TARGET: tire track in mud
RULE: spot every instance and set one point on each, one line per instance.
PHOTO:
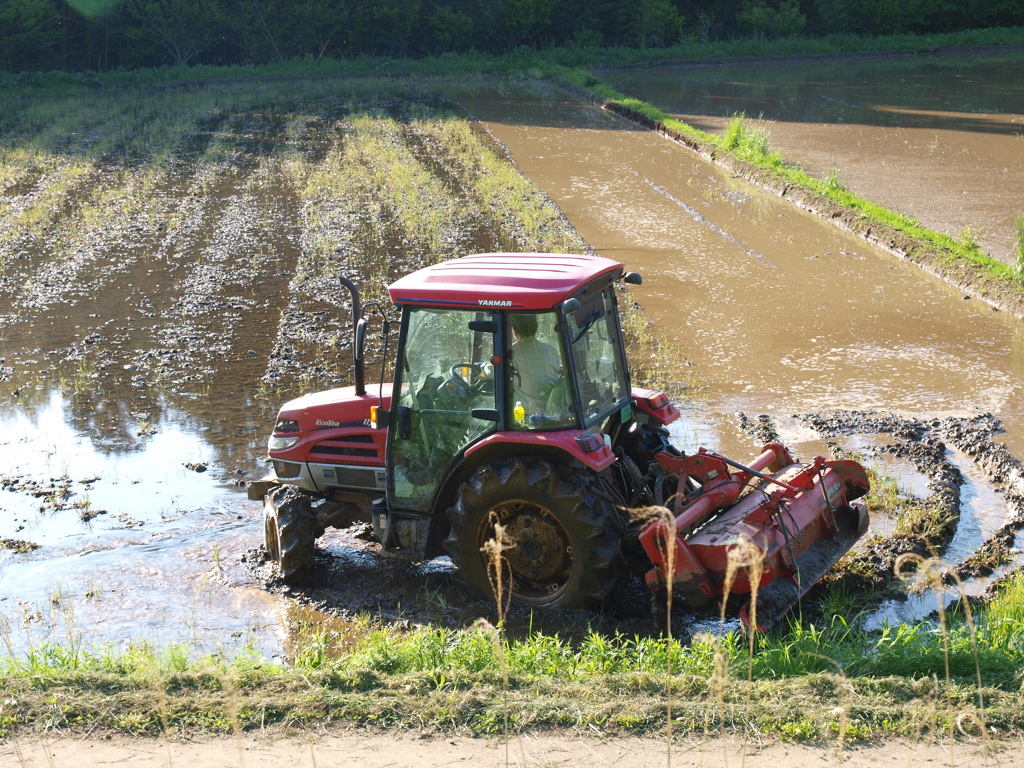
(394, 190)
(325, 229)
(974, 438)
(123, 282)
(481, 233)
(518, 215)
(135, 347)
(352, 228)
(924, 443)
(217, 316)
(376, 205)
(125, 219)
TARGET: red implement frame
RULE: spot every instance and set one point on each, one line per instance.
(781, 525)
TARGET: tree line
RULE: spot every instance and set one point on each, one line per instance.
(100, 35)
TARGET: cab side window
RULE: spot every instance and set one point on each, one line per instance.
(539, 392)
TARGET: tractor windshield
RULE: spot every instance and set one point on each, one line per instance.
(598, 358)
(444, 374)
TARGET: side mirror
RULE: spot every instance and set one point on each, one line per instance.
(486, 326)
(569, 306)
(633, 278)
(360, 337)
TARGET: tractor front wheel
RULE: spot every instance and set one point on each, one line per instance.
(558, 544)
(289, 532)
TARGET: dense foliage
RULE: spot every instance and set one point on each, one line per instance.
(108, 34)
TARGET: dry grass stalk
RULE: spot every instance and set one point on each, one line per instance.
(500, 577)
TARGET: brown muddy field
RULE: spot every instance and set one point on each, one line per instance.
(775, 312)
(939, 137)
(169, 264)
(169, 277)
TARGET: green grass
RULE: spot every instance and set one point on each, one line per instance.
(912, 517)
(1019, 246)
(522, 61)
(799, 682)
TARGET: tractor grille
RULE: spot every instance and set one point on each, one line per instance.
(349, 445)
(348, 476)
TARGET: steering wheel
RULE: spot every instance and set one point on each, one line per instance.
(473, 387)
(457, 385)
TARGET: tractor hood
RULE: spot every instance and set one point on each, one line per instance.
(332, 408)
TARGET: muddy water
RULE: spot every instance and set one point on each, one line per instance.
(777, 311)
(133, 543)
(772, 310)
(147, 369)
(940, 138)
(150, 328)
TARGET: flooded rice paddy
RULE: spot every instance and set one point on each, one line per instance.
(773, 311)
(938, 137)
(169, 270)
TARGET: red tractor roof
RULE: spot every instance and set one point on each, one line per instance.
(502, 280)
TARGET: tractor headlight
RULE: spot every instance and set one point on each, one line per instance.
(281, 443)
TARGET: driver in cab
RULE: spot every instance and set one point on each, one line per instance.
(536, 367)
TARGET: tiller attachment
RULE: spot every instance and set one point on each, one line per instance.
(772, 528)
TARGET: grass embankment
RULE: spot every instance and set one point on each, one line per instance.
(799, 683)
(744, 149)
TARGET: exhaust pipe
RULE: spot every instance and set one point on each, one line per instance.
(358, 334)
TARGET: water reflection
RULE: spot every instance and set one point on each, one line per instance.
(159, 556)
(935, 136)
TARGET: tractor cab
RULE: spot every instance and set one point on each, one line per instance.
(511, 435)
(497, 353)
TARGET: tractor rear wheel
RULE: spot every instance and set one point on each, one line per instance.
(560, 542)
(289, 532)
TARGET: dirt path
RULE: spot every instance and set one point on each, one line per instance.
(376, 750)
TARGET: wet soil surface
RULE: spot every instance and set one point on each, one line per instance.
(158, 311)
(924, 444)
(934, 136)
(775, 312)
(351, 575)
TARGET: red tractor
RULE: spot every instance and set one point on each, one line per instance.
(512, 406)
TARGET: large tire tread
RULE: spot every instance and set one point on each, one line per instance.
(290, 533)
(577, 499)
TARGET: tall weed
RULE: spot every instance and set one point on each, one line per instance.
(1020, 246)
